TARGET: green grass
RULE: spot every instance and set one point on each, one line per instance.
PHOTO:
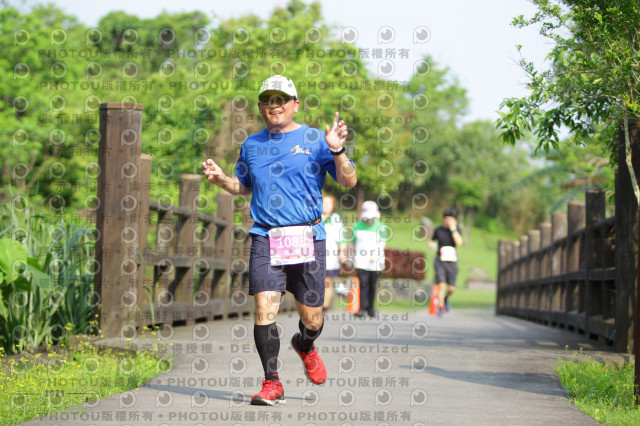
(603, 391)
(464, 298)
(35, 385)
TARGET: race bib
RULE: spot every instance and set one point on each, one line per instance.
(448, 254)
(289, 245)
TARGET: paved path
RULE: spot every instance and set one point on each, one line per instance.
(467, 368)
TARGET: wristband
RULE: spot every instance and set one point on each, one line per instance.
(338, 152)
(453, 229)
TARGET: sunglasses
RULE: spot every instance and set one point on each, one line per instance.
(276, 99)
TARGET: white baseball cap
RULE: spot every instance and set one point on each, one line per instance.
(370, 210)
(278, 84)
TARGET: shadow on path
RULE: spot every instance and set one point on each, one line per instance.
(237, 397)
(543, 384)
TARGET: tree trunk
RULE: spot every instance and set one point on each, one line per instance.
(626, 239)
(467, 227)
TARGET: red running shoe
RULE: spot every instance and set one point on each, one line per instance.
(271, 394)
(313, 366)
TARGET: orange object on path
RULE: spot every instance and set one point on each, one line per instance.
(434, 306)
(353, 302)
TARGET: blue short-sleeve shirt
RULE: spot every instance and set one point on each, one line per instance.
(286, 173)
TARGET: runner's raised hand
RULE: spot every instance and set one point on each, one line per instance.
(336, 136)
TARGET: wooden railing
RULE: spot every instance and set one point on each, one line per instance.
(584, 279)
(564, 273)
(196, 270)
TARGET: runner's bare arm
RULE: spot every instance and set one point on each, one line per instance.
(215, 175)
(457, 238)
(336, 136)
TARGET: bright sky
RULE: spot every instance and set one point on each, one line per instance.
(473, 38)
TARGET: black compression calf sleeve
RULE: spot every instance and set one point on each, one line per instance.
(268, 345)
(308, 337)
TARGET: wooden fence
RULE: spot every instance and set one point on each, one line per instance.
(197, 267)
(563, 274)
(580, 271)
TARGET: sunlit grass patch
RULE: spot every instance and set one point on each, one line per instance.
(602, 390)
(35, 384)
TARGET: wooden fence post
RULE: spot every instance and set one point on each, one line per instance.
(216, 307)
(207, 307)
(575, 221)
(545, 241)
(502, 262)
(186, 243)
(545, 267)
(515, 275)
(116, 246)
(162, 298)
(241, 256)
(525, 292)
(501, 257)
(534, 246)
(509, 262)
(558, 231)
(595, 211)
(534, 271)
(223, 250)
(144, 182)
(524, 252)
(508, 276)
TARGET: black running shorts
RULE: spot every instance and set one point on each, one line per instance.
(446, 272)
(304, 280)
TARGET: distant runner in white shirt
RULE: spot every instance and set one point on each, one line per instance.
(336, 246)
(370, 236)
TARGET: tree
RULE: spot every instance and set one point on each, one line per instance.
(493, 183)
(36, 135)
(198, 83)
(187, 73)
(434, 105)
(593, 80)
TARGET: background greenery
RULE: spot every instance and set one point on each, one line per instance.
(46, 279)
(409, 139)
(198, 78)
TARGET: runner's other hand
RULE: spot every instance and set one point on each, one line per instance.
(213, 172)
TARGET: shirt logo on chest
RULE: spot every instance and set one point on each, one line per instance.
(297, 150)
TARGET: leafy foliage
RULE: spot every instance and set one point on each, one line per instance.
(593, 80)
(46, 282)
(198, 78)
